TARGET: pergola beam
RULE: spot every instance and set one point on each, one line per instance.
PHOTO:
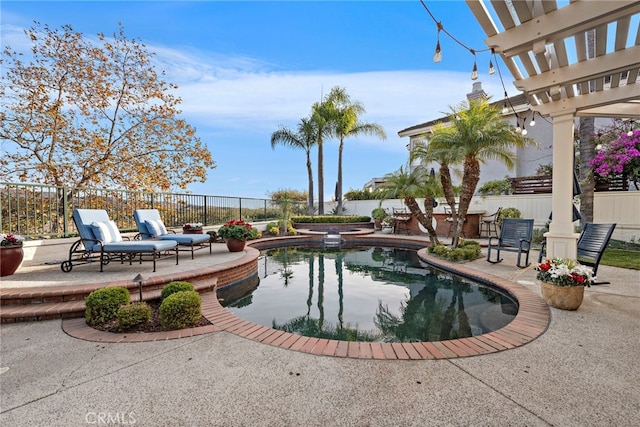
(601, 66)
(620, 94)
(560, 24)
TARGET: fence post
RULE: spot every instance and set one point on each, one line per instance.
(240, 206)
(65, 212)
(204, 221)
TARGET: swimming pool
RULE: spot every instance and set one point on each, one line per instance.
(377, 294)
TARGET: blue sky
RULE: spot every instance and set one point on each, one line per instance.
(245, 68)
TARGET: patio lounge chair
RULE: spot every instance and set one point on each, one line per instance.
(100, 240)
(591, 245)
(515, 236)
(150, 226)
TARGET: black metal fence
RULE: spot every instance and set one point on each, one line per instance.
(44, 211)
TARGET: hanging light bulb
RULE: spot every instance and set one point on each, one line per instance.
(492, 70)
(505, 109)
(437, 57)
(518, 128)
(630, 133)
(532, 123)
(524, 129)
(474, 72)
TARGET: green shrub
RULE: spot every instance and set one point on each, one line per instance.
(496, 187)
(102, 304)
(134, 314)
(468, 250)
(324, 219)
(180, 310)
(378, 213)
(173, 287)
(255, 234)
(273, 229)
(508, 213)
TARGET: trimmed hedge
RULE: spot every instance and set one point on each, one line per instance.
(173, 287)
(180, 310)
(327, 219)
(134, 314)
(102, 304)
(467, 250)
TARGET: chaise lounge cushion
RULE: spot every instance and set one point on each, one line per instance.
(107, 231)
(156, 227)
(151, 226)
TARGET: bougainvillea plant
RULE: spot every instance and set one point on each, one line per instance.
(620, 157)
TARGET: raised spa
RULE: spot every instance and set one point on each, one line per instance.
(379, 294)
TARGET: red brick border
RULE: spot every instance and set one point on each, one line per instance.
(531, 321)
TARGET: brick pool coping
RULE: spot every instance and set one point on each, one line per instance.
(531, 321)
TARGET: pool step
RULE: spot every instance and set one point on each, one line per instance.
(47, 303)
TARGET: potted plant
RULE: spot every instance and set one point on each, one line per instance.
(11, 253)
(563, 281)
(378, 214)
(387, 225)
(235, 234)
(192, 228)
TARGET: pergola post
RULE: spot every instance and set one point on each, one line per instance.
(561, 238)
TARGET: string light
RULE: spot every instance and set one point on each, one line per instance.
(474, 72)
(505, 109)
(532, 123)
(518, 128)
(437, 57)
(524, 129)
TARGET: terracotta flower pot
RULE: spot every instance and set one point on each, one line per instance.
(235, 245)
(10, 259)
(562, 297)
(192, 231)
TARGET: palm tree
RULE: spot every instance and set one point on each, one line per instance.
(304, 138)
(344, 121)
(476, 134)
(320, 116)
(409, 184)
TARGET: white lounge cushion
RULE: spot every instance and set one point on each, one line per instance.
(106, 231)
(156, 227)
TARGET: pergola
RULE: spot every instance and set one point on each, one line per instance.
(546, 49)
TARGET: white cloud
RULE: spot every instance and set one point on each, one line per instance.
(243, 94)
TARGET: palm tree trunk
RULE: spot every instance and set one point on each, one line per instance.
(310, 177)
(339, 183)
(320, 179)
(470, 178)
(447, 187)
(428, 220)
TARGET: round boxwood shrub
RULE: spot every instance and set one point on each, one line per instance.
(173, 287)
(180, 310)
(102, 304)
(134, 314)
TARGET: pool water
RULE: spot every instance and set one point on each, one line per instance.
(368, 294)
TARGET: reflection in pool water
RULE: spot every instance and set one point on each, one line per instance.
(370, 294)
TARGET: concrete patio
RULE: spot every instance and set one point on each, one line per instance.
(584, 370)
